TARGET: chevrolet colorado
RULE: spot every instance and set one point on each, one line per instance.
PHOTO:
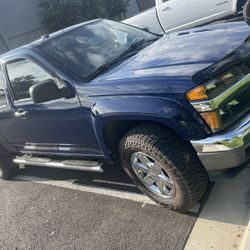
(168, 108)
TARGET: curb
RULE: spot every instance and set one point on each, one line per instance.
(222, 223)
(246, 240)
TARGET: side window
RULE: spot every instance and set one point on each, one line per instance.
(22, 75)
(3, 99)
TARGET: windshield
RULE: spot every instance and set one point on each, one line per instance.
(86, 49)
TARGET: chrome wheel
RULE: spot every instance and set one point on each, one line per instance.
(152, 175)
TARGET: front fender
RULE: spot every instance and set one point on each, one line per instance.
(186, 123)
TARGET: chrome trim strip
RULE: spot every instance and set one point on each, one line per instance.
(212, 104)
(236, 138)
(53, 147)
(57, 164)
(65, 154)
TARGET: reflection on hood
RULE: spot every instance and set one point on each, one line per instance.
(183, 53)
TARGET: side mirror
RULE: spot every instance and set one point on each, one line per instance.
(47, 91)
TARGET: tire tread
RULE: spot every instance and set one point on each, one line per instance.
(177, 154)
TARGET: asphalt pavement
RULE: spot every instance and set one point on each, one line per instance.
(37, 216)
(79, 210)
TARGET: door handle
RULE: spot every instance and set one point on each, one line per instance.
(21, 113)
(167, 9)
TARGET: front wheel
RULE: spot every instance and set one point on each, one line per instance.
(7, 167)
(163, 167)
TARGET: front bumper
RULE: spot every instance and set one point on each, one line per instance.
(227, 150)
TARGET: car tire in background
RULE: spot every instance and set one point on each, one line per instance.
(163, 166)
(240, 5)
(246, 12)
(7, 167)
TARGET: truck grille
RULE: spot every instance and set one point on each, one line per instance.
(248, 64)
(237, 106)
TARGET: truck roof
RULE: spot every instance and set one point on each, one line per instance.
(45, 38)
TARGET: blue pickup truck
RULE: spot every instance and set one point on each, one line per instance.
(168, 108)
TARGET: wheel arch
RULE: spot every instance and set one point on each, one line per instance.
(114, 117)
(114, 131)
(111, 132)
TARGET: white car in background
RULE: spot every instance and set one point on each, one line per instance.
(173, 15)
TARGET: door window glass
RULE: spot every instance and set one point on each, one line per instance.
(22, 75)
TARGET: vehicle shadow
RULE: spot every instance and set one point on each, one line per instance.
(227, 200)
(113, 178)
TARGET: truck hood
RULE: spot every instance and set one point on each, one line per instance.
(183, 53)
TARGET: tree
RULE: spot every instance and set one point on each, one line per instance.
(21, 86)
(58, 14)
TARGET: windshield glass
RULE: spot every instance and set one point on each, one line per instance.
(84, 50)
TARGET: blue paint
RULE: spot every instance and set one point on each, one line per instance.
(150, 86)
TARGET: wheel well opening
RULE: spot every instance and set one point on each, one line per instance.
(113, 132)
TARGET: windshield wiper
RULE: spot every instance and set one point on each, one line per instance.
(132, 47)
(117, 59)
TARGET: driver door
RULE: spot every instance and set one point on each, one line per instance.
(59, 126)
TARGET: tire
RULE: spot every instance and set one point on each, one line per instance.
(7, 168)
(169, 155)
(240, 5)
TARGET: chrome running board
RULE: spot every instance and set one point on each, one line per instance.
(91, 166)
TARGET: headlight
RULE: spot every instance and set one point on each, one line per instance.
(216, 86)
(222, 99)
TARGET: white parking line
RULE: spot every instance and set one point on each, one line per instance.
(101, 191)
